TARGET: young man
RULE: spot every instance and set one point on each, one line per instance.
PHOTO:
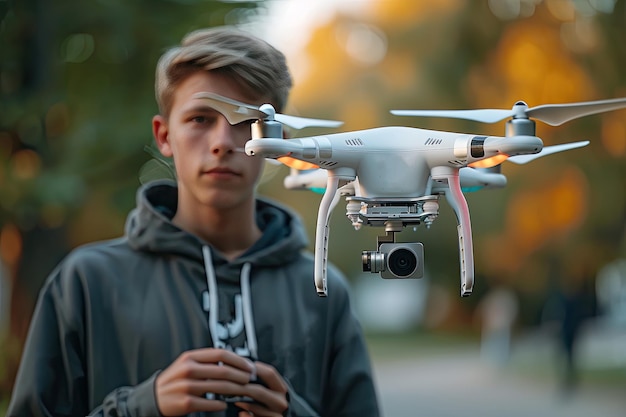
(206, 306)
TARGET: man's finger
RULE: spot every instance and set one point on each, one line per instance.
(211, 355)
(258, 410)
(199, 388)
(270, 376)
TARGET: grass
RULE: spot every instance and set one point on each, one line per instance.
(418, 343)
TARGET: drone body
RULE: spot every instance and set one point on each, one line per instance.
(397, 169)
(392, 176)
(393, 161)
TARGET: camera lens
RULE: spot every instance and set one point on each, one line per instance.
(402, 262)
(373, 261)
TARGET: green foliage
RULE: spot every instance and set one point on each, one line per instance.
(77, 89)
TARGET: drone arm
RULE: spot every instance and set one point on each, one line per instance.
(459, 204)
(329, 200)
(274, 148)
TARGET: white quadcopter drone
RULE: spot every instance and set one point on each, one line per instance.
(392, 176)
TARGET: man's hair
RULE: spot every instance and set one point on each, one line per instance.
(250, 61)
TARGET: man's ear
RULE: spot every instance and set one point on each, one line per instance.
(160, 131)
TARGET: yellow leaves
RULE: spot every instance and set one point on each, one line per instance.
(538, 216)
(10, 244)
(614, 134)
(568, 201)
(404, 13)
(25, 164)
(561, 10)
(540, 213)
(532, 64)
(328, 74)
(359, 112)
(339, 52)
(401, 72)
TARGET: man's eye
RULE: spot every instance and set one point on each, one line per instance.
(202, 119)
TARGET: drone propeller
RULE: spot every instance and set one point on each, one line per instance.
(547, 150)
(523, 159)
(552, 114)
(236, 112)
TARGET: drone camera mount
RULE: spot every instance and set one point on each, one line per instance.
(395, 260)
(391, 212)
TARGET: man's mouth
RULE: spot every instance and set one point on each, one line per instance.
(220, 171)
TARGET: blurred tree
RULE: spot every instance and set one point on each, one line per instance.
(77, 97)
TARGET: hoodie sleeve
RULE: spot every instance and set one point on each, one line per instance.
(347, 386)
(351, 390)
(52, 379)
(130, 401)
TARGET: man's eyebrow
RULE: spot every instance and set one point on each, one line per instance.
(202, 107)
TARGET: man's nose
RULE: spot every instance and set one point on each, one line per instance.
(223, 139)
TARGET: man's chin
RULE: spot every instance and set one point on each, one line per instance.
(225, 200)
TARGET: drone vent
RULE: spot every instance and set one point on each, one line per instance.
(458, 162)
(354, 142)
(433, 141)
(327, 164)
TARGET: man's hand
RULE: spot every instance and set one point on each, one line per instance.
(181, 387)
(271, 399)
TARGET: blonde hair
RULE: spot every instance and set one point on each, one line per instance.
(250, 61)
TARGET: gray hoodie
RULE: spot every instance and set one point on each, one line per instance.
(114, 313)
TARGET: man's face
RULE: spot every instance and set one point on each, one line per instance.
(208, 152)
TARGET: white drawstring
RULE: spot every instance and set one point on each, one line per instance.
(213, 301)
(248, 317)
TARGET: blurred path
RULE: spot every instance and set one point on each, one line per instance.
(450, 384)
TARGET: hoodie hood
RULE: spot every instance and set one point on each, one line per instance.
(149, 228)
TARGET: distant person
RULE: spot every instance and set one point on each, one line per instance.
(206, 306)
(611, 293)
(569, 306)
(498, 311)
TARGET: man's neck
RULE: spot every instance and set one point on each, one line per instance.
(232, 231)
